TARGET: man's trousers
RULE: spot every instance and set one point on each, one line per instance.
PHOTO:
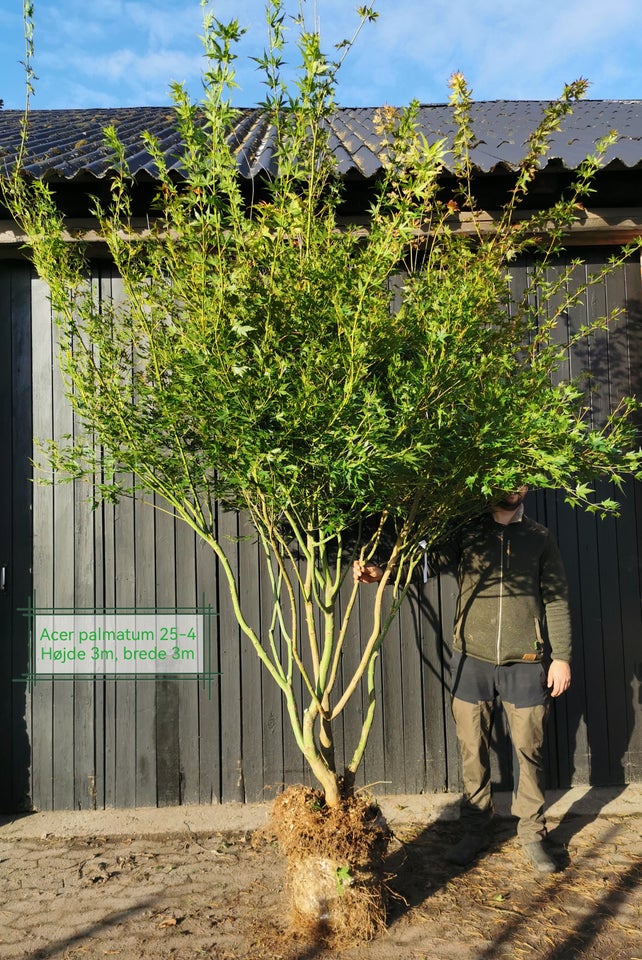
(521, 687)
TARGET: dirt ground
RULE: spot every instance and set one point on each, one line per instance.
(215, 894)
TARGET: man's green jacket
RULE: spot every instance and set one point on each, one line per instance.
(512, 590)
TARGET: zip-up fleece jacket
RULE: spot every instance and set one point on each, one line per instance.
(510, 578)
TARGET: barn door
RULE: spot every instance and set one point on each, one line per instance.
(15, 528)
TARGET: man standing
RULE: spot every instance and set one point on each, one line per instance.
(510, 578)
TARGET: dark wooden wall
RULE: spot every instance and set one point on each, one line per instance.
(85, 743)
(15, 528)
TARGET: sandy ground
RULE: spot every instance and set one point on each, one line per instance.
(185, 883)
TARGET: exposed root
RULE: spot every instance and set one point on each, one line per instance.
(334, 856)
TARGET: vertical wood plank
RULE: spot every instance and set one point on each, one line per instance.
(435, 687)
(120, 698)
(572, 753)
(103, 575)
(168, 765)
(139, 710)
(6, 533)
(630, 539)
(355, 709)
(613, 652)
(109, 760)
(567, 734)
(189, 689)
(43, 544)
(290, 761)
(84, 759)
(634, 662)
(374, 764)
(598, 345)
(63, 571)
(626, 688)
(230, 665)
(413, 725)
(391, 705)
(448, 592)
(20, 502)
(107, 773)
(124, 721)
(100, 686)
(15, 528)
(210, 689)
(256, 593)
(272, 721)
(592, 638)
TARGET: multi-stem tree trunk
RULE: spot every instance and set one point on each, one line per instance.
(308, 628)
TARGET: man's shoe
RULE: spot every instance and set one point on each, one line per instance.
(539, 857)
(467, 849)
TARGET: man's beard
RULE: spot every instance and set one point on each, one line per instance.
(511, 504)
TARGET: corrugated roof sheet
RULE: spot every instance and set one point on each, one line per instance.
(67, 144)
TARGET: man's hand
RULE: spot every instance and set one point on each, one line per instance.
(366, 572)
(559, 677)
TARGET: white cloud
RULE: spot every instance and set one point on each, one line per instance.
(503, 51)
(82, 48)
(122, 77)
(166, 26)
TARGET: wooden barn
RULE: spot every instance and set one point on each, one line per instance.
(106, 742)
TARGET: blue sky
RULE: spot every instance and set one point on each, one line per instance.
(126, 52)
